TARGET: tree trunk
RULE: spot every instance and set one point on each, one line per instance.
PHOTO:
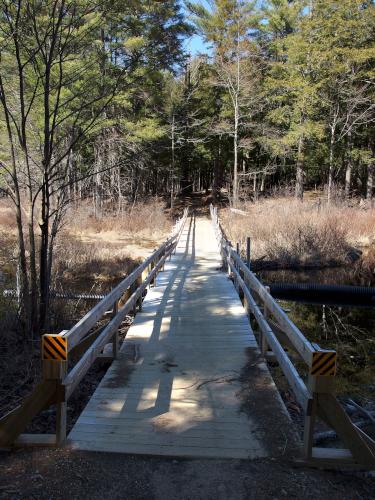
(173, 159)
(349, 168)
(330, 167)
(370, 175)
(235, 163)
(300, 171)
(44, 278)
(262, 183)
(370, 181)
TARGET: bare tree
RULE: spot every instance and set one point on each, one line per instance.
(48, 53)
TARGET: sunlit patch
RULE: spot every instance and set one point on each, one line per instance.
(150, 393)
(181, 421)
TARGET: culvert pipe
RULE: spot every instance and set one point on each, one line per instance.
(313, 293)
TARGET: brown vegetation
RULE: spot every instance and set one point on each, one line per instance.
(98, 251)
(91, 251)
(293, 233)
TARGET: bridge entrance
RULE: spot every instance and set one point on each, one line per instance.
(188, 380)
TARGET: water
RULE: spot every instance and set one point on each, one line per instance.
(328, 276)
(348, 330)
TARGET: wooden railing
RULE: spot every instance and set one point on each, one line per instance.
(58, 383)
(280, 339)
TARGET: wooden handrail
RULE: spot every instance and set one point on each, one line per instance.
(58, 385)
(80, 369)
(304, 348)
(301, 344)
(75, 334)
(80, 329)
(316, 397)
(300, 390)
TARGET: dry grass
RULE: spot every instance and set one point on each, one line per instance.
(142, 221)
(92, 252)
(96, 252)
(295, 233)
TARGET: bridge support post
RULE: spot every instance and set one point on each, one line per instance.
(153, 281)
(248, 251)
(115, 335)
(238, 270)
(263, 341)
(56, 371)
(360, 448)
(228, 257)
(308, 430)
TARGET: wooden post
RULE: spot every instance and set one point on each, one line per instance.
(56, 370)
(308, 430)
(115, 335)
(316, 385)
(248, 251)
(153, 281)
(163, 254)
(236, 284)
(61, 415)
(264, 344)
(229, 257)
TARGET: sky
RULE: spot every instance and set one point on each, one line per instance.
(195, 44)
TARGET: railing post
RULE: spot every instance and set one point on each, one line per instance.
(229, 257)
(115, 335)
(55, 369)
(153, 281)
(309, 424)
(317, 385)
(263, 341)
(248, 251)
(236, 284)
(163, 254)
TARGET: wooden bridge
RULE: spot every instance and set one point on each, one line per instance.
(190, 379)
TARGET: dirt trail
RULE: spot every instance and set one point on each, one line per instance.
(63, 474)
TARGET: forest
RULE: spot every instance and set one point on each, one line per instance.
(101, 102)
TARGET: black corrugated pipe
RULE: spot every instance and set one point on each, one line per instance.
(312, 293)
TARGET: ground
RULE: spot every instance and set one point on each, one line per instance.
(61, 474)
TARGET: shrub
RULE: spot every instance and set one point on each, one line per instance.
(291, 232)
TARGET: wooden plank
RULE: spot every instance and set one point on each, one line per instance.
(35, 440)
(161, 439)
(13, 425)
(210, 432)
(145, 426)
(331, 458)
(158, 450)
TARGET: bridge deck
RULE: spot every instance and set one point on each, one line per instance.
(178, 387)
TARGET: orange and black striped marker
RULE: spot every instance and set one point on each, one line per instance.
(324, 363)
(54, 347)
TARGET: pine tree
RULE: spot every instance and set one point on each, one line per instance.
(228, 25)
